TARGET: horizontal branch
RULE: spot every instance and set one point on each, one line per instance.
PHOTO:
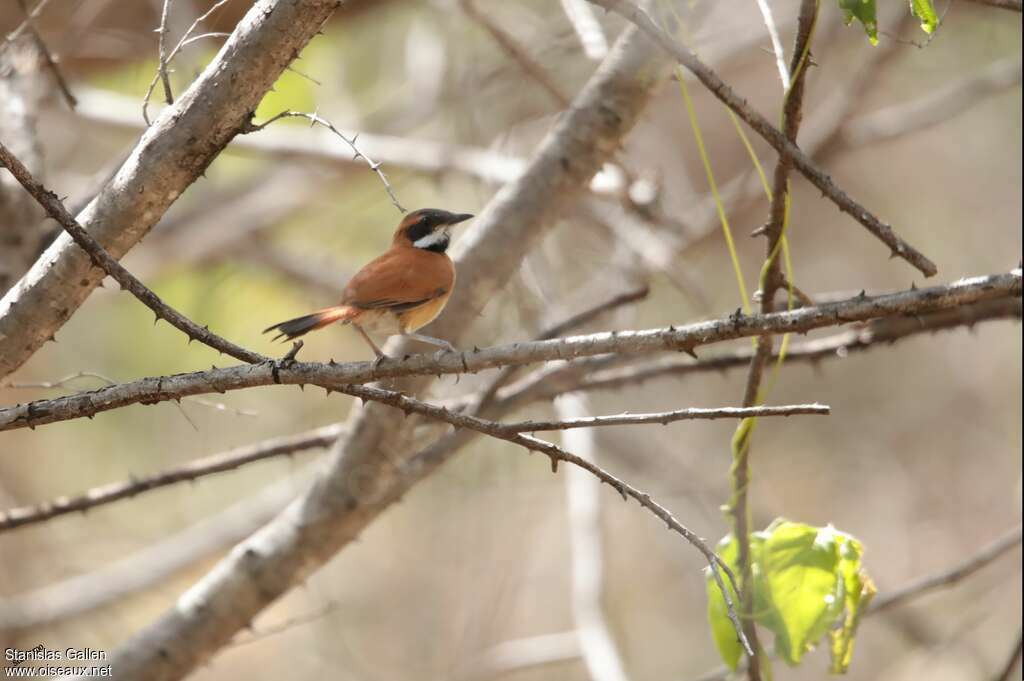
(331, 376)
(99, 256)
(882, 332)
(666, 417)
(771, 134)
(217, 463)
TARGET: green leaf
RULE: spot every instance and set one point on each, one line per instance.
(925, 11)
(863, 11)
(799, 564)
(808, 582)
(722, 629)
(858, 590)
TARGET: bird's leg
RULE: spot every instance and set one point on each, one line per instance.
(432, 341)
(377, 351)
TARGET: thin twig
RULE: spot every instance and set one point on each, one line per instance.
(214, 34)
(162, 56)
(317, 119)
(772, 135)
(949, 576)
(199, 468)
(908, 303)
(666, 417)
(773, 34)
(165, 60)
(48, 58)
(99, 256)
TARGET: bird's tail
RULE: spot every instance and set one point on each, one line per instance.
(293, 328)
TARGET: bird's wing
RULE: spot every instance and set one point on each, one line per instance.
(400, 280)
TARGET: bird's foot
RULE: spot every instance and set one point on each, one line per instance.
(286, 361)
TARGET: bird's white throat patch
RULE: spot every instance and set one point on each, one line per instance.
(434, 239)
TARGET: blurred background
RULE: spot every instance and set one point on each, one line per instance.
(474, 575)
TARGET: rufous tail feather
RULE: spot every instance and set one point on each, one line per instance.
(293, 328)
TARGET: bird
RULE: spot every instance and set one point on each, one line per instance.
(400, 291)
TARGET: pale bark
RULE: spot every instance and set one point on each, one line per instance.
(21, 232)
(170, 156)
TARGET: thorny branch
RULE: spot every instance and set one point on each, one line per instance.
(684, 338)
(557, 454)
(666, 417)
(101, 259)
(771, 134)
(837, 346)
(317, 119)
(771, 280)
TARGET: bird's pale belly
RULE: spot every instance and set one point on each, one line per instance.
(380, 322)
(417, 318)
(388, 323)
